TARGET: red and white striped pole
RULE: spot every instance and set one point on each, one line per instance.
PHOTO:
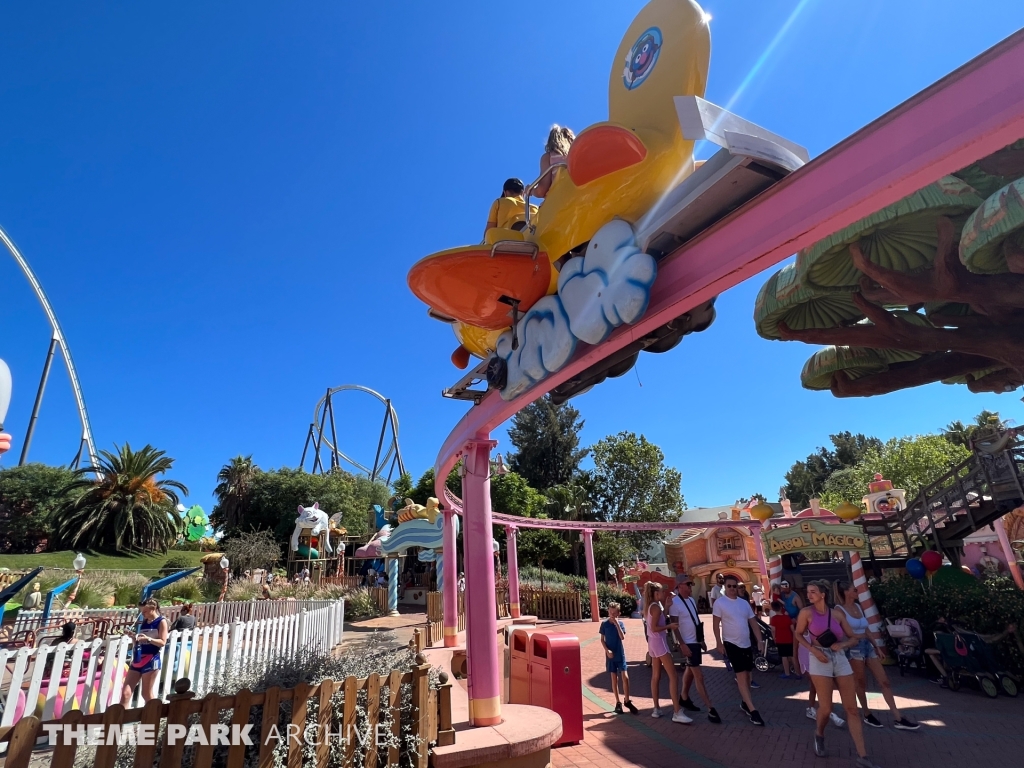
(867, 602)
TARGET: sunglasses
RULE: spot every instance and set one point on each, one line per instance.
(686, 583)
(732, 586)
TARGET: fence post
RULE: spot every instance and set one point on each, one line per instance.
(445, 732)
(302, 629)
(420, 694)
(177, 714)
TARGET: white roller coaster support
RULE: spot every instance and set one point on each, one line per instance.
(58, 334)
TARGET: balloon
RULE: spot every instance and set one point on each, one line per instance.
(931, 560)
(916, 568)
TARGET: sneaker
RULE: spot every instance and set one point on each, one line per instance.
(906, 725)
(688, 705)
(713, 715)
(618, 708)
(680, 717)
(870, 719)
(744, 707)
(819, 746)
(754, 685)
(631, 707)
(812, 713)
(866, 762)
(784, 676)
(941, 682)
(755, 718)
(655, 713)
(837, 721)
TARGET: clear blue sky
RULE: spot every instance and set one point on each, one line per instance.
(222, 202)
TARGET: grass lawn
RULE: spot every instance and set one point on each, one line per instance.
(141, 563)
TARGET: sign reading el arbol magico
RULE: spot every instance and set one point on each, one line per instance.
(815, 535)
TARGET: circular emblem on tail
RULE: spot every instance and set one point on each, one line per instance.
(642, 58)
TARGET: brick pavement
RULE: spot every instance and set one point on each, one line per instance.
(959, 730)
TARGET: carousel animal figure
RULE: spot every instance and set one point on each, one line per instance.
(312, 521)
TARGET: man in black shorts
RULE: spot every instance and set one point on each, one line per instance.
(734, 621)
(690, 632)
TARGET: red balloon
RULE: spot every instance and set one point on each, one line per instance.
(931, 560)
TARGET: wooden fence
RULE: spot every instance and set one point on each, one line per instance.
(35, 680)
(550, 604)
(435, 616)
(429, 721)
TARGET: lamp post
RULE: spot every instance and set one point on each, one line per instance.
(224, 565)
(79, 565)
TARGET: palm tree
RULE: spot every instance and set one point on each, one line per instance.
(122, 506)
(571, 502)
(232, 491)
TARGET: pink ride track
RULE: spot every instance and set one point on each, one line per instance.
(971, 113)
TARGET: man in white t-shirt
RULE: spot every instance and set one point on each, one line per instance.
(716, 591)
(734, 622)
(690, 632)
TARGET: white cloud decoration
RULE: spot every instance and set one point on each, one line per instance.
(545, 345)
(609, 286)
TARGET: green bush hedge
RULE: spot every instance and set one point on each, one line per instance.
(607, 593)
(987, 607)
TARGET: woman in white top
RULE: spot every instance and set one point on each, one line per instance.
(864, 656)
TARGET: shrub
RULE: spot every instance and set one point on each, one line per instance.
(609, 593)
(188, 590)
(241, 590)
(983, 606)
(175, 564)
(359, 604)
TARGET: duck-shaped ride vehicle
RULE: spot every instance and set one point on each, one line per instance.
(617, 169)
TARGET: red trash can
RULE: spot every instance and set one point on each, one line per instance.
(556, 680)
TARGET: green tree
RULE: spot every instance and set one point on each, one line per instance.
(425, 486)
(612, 549)
(632, 484)
(571, 501)
(547, 441)
(120, 505)
(806, 479)
(403, 487)
(232, 491)
(275, 497)
(28, 496)
(511, 494)
(909, 462)
(961, 434)
(540, 545)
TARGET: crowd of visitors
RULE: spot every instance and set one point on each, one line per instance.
(826, 640)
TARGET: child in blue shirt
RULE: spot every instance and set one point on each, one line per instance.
(612, 633)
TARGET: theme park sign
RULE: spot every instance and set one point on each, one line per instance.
(815, 535)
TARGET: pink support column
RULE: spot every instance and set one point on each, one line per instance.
(450, 581)
(1008, 553)
(588, 546)
(513, 571)
(481, 618)
(867, 602)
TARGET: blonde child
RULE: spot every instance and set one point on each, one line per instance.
(613, 632)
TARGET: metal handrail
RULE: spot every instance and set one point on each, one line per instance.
(528, 192)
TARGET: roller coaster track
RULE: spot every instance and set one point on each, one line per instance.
(970, 113)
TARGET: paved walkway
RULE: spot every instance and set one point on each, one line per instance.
(958, 729)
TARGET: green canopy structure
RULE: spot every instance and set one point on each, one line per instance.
(928, 289)
(901, 237)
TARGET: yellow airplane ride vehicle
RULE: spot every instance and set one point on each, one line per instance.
(615, 169)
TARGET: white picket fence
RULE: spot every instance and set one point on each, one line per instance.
(205, 613)
(200, 654)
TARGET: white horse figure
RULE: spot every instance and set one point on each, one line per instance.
(314, 520)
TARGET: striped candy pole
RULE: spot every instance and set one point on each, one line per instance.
(774, 571)
(392, 585)
(867, 602)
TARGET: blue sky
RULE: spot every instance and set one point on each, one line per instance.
(222, 203)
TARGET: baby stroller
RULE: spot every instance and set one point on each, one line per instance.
(767, 652)
(908, 643)
(965, 654)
